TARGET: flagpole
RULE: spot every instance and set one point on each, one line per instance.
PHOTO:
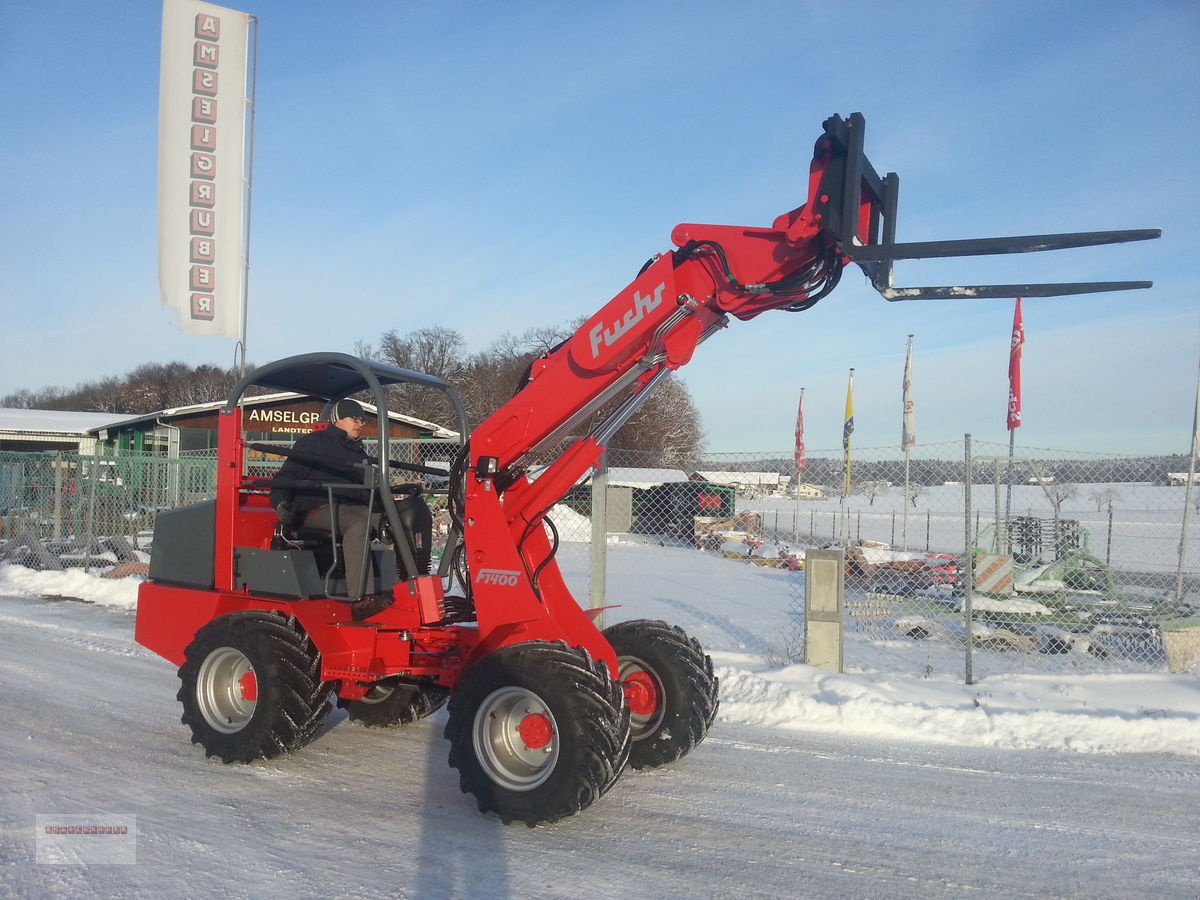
(1016, 342)
(1187, 495)
(1012, 441)
(799, 461)
(847, 430)
(907, 437)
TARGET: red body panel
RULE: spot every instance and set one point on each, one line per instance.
(391, 643)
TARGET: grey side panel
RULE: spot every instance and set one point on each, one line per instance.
(279, 573)
(184, 542)
(385, 569)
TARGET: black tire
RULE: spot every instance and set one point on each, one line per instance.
(251, 687)
(538, 731)
(669, 686)
(395, 703)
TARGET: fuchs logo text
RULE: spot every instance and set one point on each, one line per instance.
(501, 577)
(641, 306)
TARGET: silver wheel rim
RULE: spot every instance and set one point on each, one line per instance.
(377, 693)
(219, 691)
(642, 726)
(501, 749)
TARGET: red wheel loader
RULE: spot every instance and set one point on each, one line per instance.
(545, 709)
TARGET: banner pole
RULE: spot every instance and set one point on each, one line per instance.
(248, 192)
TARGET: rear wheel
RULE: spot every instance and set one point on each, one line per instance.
(251, 687)
(393, 703)
(537, 731)
(670, 688)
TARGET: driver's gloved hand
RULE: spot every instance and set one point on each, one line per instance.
(288, 515)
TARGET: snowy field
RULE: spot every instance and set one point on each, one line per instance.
(1143, 537)
(811, 783)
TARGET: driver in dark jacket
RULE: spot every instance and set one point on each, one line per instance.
(341, 446)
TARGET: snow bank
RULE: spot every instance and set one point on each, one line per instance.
(1086, 713)
(75, 584)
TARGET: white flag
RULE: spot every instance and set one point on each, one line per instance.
(908, 432)
(201, 162)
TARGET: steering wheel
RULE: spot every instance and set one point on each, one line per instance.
(407, 490)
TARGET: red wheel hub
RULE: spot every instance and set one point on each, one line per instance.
(640, 693)
(249, 686)
(535, 730)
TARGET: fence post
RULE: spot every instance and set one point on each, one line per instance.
(90, 530)
(969, 567)
(56, 532)
(1187, 494)
(599, 536)
(1108, 543)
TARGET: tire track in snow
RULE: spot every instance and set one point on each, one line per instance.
(97, 643)
(747, 639)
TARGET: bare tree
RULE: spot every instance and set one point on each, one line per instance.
(914, 491)
(667, 425)
(872, 489)
(148, 388)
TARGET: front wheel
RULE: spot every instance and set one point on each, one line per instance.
(670, 688)
(537, 731)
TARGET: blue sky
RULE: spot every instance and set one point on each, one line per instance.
(496, 166)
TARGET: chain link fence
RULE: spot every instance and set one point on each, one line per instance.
(70, 509)
(1078, 560)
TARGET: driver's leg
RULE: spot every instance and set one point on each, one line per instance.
(354, 528)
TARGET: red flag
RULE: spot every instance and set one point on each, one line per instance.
(1014, 370)
(801, 458)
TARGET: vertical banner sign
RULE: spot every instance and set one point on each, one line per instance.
(201, 165)
(801, 458)
(847, 430)
(908, 430)
(1014, 369)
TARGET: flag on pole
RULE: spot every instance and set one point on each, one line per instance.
(801, 457)
(1014, 369)
(201, 164)
(908, 430)
(847, 430)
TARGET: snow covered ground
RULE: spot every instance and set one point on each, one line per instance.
(1142, 536)
(811, 783)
